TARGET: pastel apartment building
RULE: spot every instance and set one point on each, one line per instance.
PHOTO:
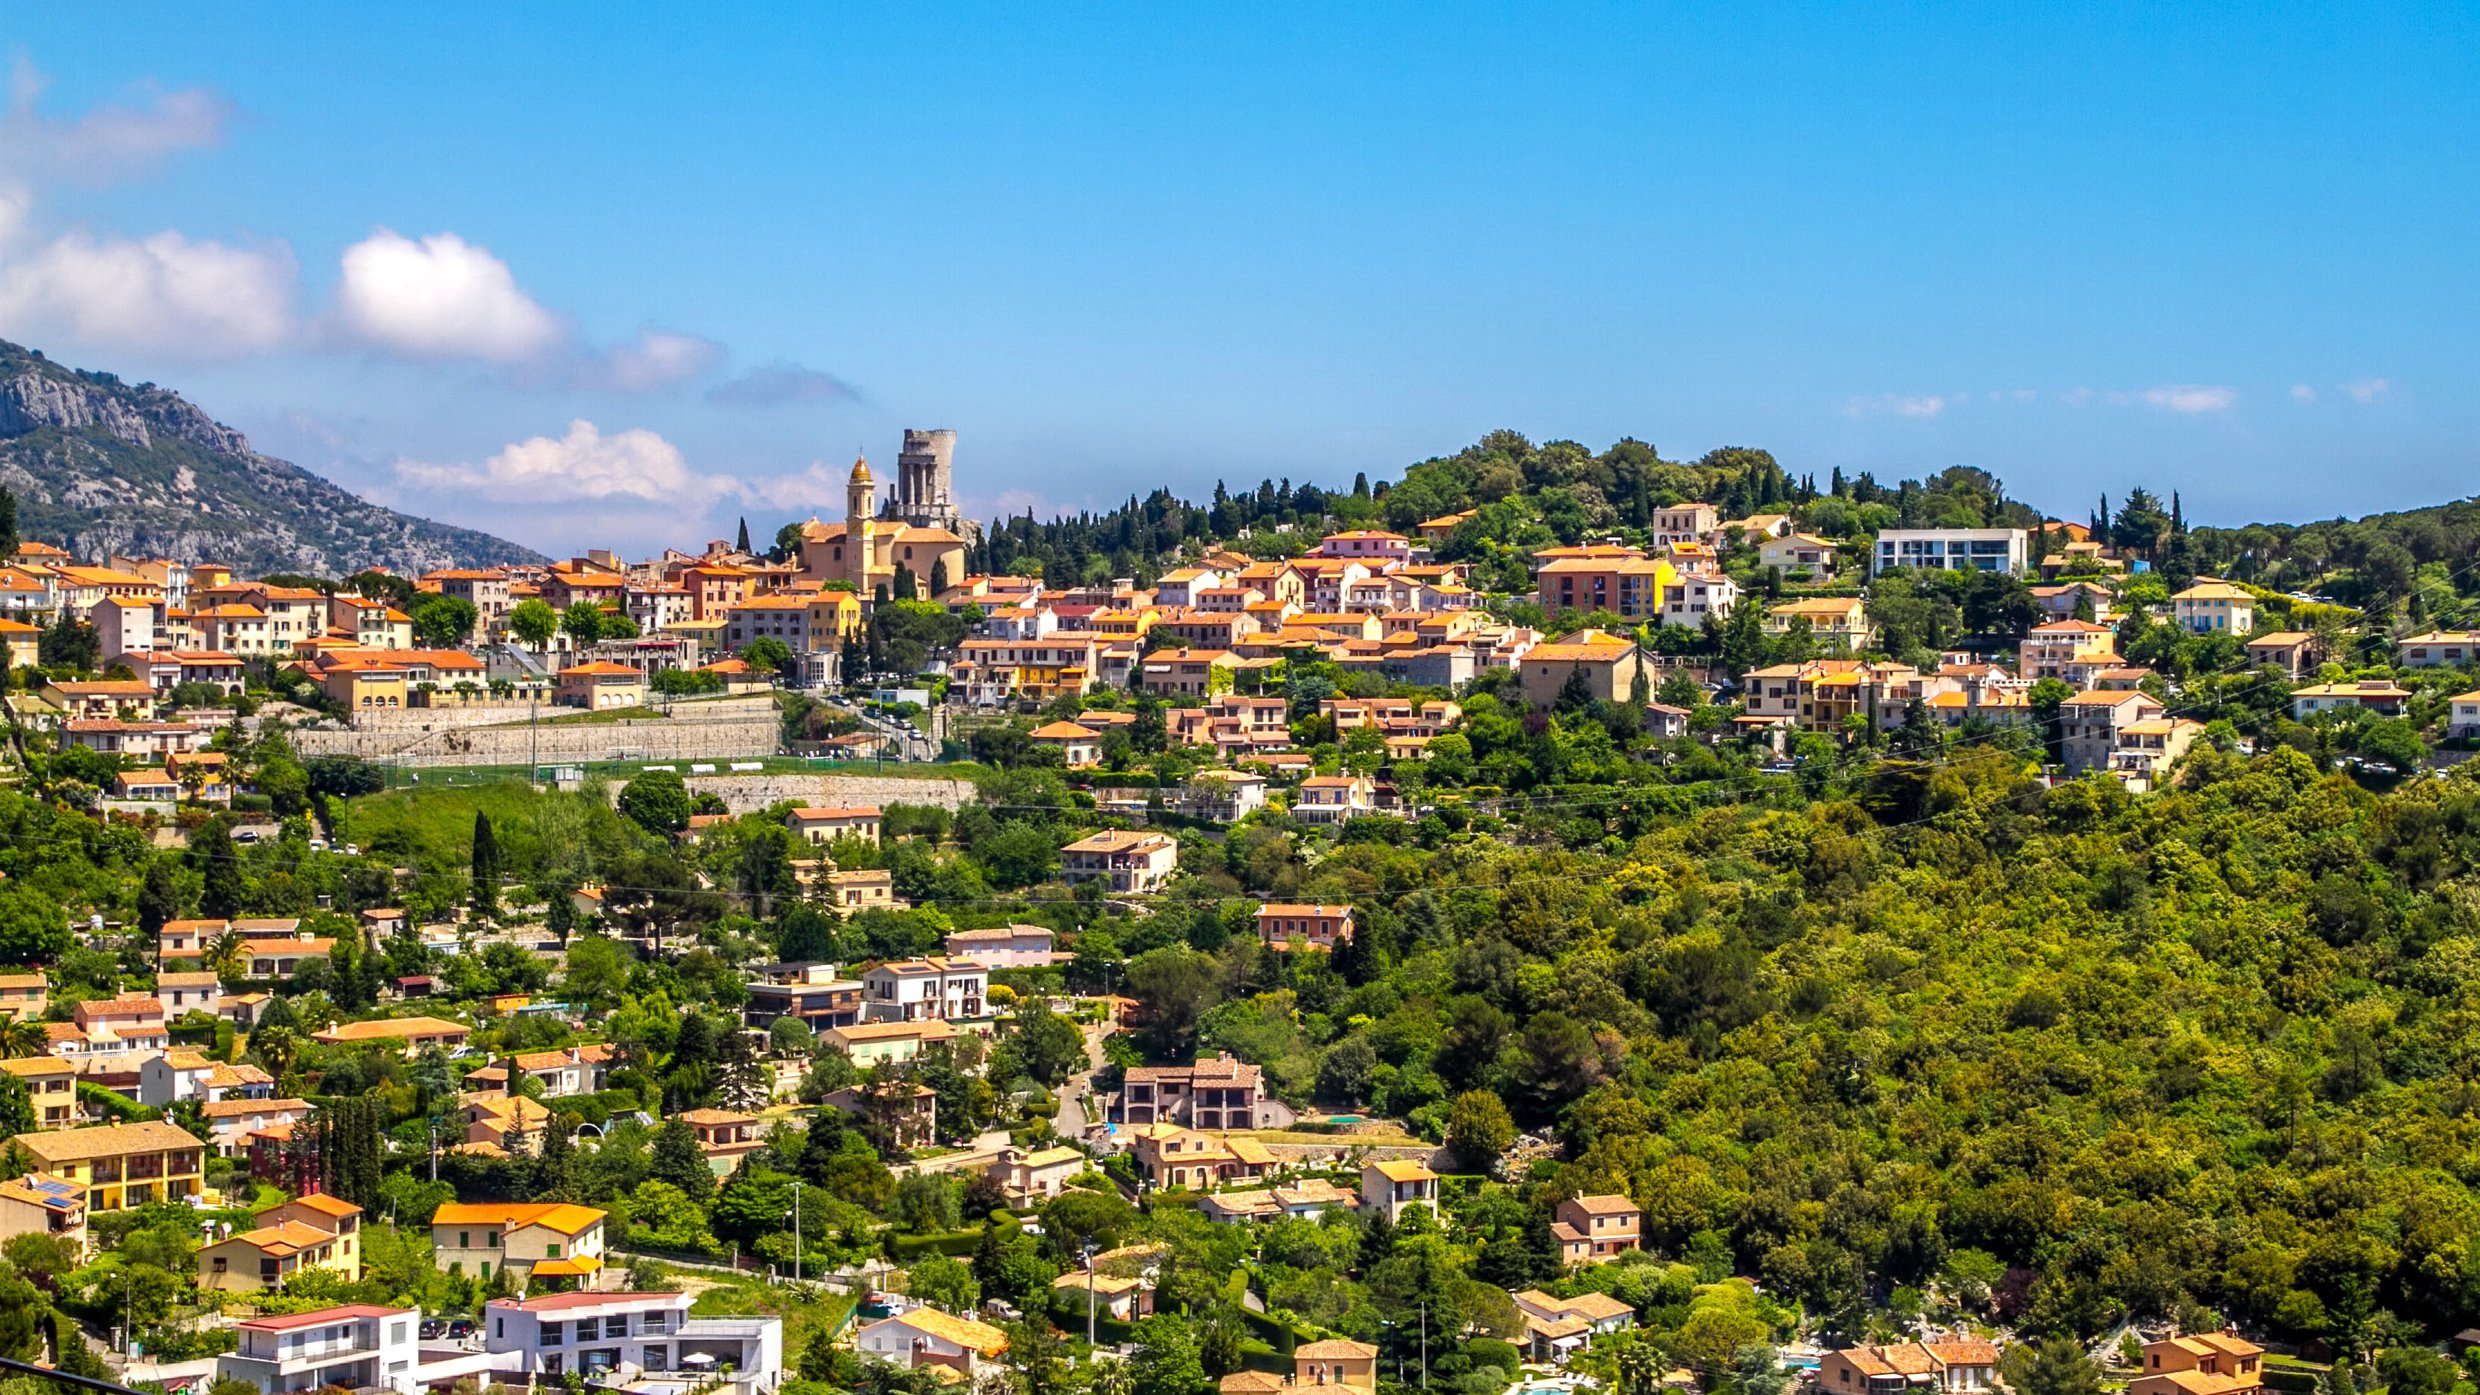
(1123, 862)
(2051, 650)
(123, 1165)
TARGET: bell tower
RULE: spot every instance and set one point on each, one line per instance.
(859, 505)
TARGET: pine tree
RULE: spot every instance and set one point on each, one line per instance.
(226, 891)
(486, 868)
(555, 1167)
(676, 1160)
(159, 897)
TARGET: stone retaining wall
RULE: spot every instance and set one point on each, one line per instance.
(745, 793)
(741, 732)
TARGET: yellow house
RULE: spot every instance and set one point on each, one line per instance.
(315, 1232)
(18, 642)
(51, 1088)
(123, 1165)
(365, 687)
(550, 1241)
(1840, 620)
(2212, 607)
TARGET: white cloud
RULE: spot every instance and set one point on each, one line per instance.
(107, 142)
(584, 464)
(658, 359)
(2366, 390)
(440, 298)
(2301, 392)
(1917, 405)
(2188, 398)
(163, 293)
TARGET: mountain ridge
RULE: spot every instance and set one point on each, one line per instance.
(106, 467)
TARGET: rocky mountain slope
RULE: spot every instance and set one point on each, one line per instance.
(100, 466)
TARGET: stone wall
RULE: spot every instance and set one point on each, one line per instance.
(718, 731)
(745, 793)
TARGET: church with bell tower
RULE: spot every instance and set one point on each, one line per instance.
(866, 551)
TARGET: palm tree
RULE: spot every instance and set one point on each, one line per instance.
(277, 1048)
(20, 1038)
(227, 955)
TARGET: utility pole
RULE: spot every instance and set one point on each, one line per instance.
(1089, 1298)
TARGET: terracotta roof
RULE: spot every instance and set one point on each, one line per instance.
(324, 1317)
(566, 1219)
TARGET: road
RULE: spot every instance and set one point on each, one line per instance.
(1072, 1121)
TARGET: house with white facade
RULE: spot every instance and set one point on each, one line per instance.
(614, 1337)
(937, 989)
(359, 1346)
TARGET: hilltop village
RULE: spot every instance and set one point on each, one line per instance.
(1557, 922)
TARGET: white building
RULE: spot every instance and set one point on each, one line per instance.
(927, 1337)
(1953, 549)
(937, 989)
(359, 1346)
(1124, 861)
(1697, 595)
(623, 1337)
(1396, 1185)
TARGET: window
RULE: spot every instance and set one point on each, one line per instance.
(617, 1325)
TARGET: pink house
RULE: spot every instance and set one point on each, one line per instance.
(1004, 946)
(1367, 545)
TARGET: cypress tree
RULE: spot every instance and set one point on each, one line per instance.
(8, 523)
(486, 868)
(743, 544)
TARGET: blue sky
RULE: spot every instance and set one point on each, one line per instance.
(616, 276)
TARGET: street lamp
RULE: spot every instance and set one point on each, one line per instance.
(794, 1216)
